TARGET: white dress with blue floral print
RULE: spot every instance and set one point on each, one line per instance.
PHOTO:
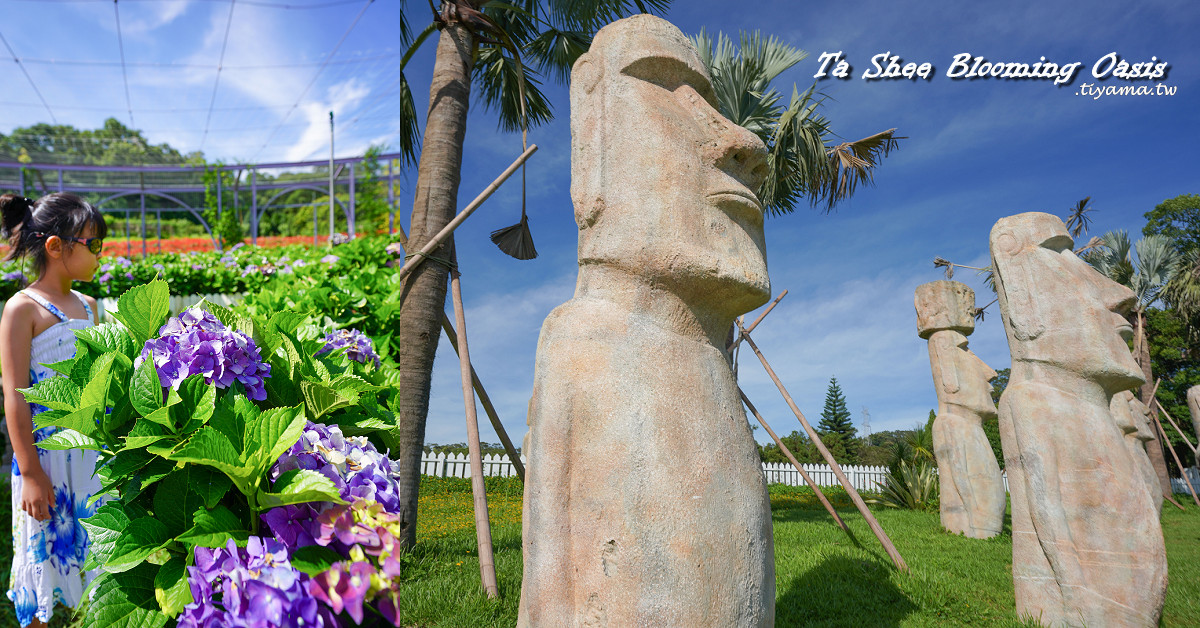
(48, 556)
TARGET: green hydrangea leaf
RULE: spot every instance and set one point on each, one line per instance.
(212, 528)
(313, 559)
(140, 538)
(107, 337)
(299, 486)
(68, 439)
(171, 588)
(144, 309)
(125, 600)
(56, 393)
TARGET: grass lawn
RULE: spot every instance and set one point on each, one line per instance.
(823, 577)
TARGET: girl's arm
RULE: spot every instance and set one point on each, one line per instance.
(16, 336)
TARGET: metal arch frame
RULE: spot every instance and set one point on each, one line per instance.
(173, 199)
(262, 209)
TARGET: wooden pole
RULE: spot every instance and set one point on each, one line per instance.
(483, 530)
(436, 241)
(786, 452)
(1174, 425)
(484, 400)
(837, 469)
(1167, 445)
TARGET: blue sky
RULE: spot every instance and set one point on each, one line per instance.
(977, 150)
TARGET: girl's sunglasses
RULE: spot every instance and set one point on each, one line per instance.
(95, 245)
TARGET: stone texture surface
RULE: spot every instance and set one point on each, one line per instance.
(1133, 417)
(972, 488)
(944, 305)
(1193, 401)
(645, 503)
(1087, 546)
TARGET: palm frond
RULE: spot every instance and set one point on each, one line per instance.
(499, 77)
(555, 51)
(853, 163)
(1182, 292)
(1078, 220)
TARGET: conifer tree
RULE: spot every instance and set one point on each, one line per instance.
(836, 427)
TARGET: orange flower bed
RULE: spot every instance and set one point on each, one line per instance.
(133, 248)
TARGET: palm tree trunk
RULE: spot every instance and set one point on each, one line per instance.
(1154, 448)
(424, 294)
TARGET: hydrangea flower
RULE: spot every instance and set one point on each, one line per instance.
(105, 278)
(15, 275)
(338, 238)
(359, 471)
(129, 276)
(373, 569)
(358, 345)
(330, 259)
(255, 587)
(123, 261)
(395, 249)
(197, 343)
(157, 266)
(300, 263)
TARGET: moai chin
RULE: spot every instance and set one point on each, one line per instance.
(645, 503)
(1133, 417)
(972, 487)
(1087, 546)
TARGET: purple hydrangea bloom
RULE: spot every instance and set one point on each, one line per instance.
(300, 263)
(15, 275)
(358, 345)
(395, 249)
(359, 471)
(124, 262)
(344, 586)
(197, 343)
(330, 259)
(129, 276)
(157, 266)
(197, 266)
(254, 587)
(105, 278)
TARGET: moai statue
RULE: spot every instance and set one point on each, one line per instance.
(645, 503)
(972, 487)
(1133, 417)
(1193, 402)
(1087, 546)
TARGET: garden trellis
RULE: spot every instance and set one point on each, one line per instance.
(182, 189)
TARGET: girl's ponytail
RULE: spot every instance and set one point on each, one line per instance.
(15, 211)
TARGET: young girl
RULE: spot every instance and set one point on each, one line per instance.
(62, 236)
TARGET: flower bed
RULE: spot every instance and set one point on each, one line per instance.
(243, 487)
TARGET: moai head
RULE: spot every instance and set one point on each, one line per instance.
(945, 314)
(664, 186)
(1121, 408)
(944, 305)
(1058, 310)
(1141, 418)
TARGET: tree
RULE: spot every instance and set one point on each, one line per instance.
(1078, 220)
(803, 158)
(482, 44)
(1147, 276)
(836, 427)
(1178, 219)
(1173, 354)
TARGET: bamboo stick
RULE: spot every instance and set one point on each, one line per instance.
(437, 240)
(483, 530)
(1182, 470)
(484, 400)
(837, 469)
(786, 452)
(738, 340)
(1174, 425)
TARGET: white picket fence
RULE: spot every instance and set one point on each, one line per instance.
(1178, 485)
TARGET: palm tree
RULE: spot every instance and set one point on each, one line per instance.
(1183, 292)
(804, 159)
(488, 45)
(1148, 275)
